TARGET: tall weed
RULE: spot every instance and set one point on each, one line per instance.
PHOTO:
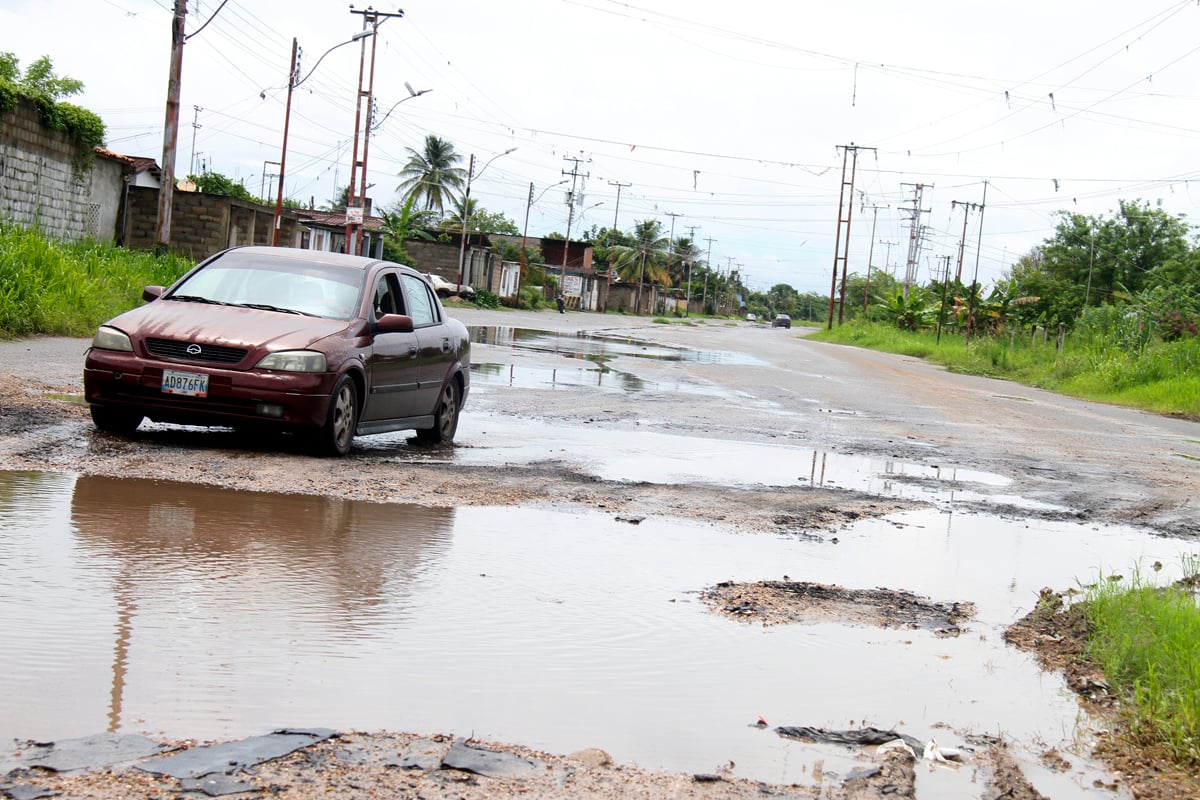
(67, 289)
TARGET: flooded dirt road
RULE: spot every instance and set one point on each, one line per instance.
(549, 580)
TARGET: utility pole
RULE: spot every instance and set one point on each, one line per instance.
(707, 263)
(574, 173)
(616, 210)
(945, 286)
(355, 218)
(687, 308)
(671, 241)
(287, 118)
(195, 127)
(962, 242)
(914, 233)
(842, 240)
(975, 280)
(170, 130)
(870, 254)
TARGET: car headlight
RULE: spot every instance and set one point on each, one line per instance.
(294, 361)
(109, 338)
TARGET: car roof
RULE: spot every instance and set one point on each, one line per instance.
(309, 256)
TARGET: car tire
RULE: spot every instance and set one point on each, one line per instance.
(337, 434)
(116, 420)
(445, 417)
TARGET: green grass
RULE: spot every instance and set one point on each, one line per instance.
(67, 289)
(1146, 639)
(1164, 377)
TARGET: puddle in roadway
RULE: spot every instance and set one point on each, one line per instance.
(186, 611)
(649, 456)
(598, 347)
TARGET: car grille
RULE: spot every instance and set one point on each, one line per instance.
(209, 353)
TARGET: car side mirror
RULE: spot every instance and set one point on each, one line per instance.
(152, 293)
(394, 323)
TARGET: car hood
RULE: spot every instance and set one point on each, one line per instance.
(231, 326)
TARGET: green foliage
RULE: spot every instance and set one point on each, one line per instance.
(41, 85)
(1094, 362)
(216, 183)
(1146, 638)
(645, 259)
(431, 175)
(49, 287)
(486, 299)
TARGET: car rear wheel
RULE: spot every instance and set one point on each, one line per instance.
(116, 420)
(337, 434)
(445, 418)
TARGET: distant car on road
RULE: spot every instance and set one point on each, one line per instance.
(751, 318)
(781, 321)
(325, 345)
(445, 288)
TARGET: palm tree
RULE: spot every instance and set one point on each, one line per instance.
(430, 175)
(644, 259)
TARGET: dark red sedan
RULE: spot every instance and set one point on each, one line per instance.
(323, 344)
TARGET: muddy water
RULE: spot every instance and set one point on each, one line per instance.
(197, 612)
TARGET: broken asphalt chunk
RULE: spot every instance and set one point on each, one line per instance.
(231, 757)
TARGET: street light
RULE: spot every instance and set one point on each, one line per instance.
(411, 95)
(462, 243)
(287, 117)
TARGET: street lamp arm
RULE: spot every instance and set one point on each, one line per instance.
(379, 124)
(486, 165)
(356, 37)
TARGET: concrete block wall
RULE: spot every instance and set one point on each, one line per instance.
(38, 185)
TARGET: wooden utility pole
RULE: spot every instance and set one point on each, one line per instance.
(170, 130)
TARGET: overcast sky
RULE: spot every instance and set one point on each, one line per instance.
(733, 116)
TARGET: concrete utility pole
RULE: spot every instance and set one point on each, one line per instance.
(616, 210)
(707, 263)
(170, 130)
(975, 280)
(914, 233)
(671, 239)
(870, 254)
(574, 173)
(962, 242)
(372, 19)
(195, 127)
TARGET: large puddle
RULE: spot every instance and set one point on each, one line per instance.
(189, 611)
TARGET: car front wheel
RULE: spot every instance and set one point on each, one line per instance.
(338, 432)
(445, 418)
(115, 420)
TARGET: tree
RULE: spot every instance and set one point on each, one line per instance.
(339, 202)
(216, 183)
(430, 175)
(403, 224)
(645, 257)
(38, 80)
(46, 89)
(480, 220)
(1093, 260)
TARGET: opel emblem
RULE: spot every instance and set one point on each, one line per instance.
(193, 349)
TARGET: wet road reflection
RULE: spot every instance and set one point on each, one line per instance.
(598, 347)
(193, 612)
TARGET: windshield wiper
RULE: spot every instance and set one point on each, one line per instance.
(267, 307)
(195, 298)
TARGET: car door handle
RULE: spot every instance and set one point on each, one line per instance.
(412, 351)
(445, 345)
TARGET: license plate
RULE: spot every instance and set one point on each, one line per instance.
(192, 384)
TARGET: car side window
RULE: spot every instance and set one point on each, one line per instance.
(388, 299)
(420, 299)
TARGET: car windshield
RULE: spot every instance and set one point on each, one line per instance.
(275, 284)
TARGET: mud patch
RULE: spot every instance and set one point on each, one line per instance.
(787, 601)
